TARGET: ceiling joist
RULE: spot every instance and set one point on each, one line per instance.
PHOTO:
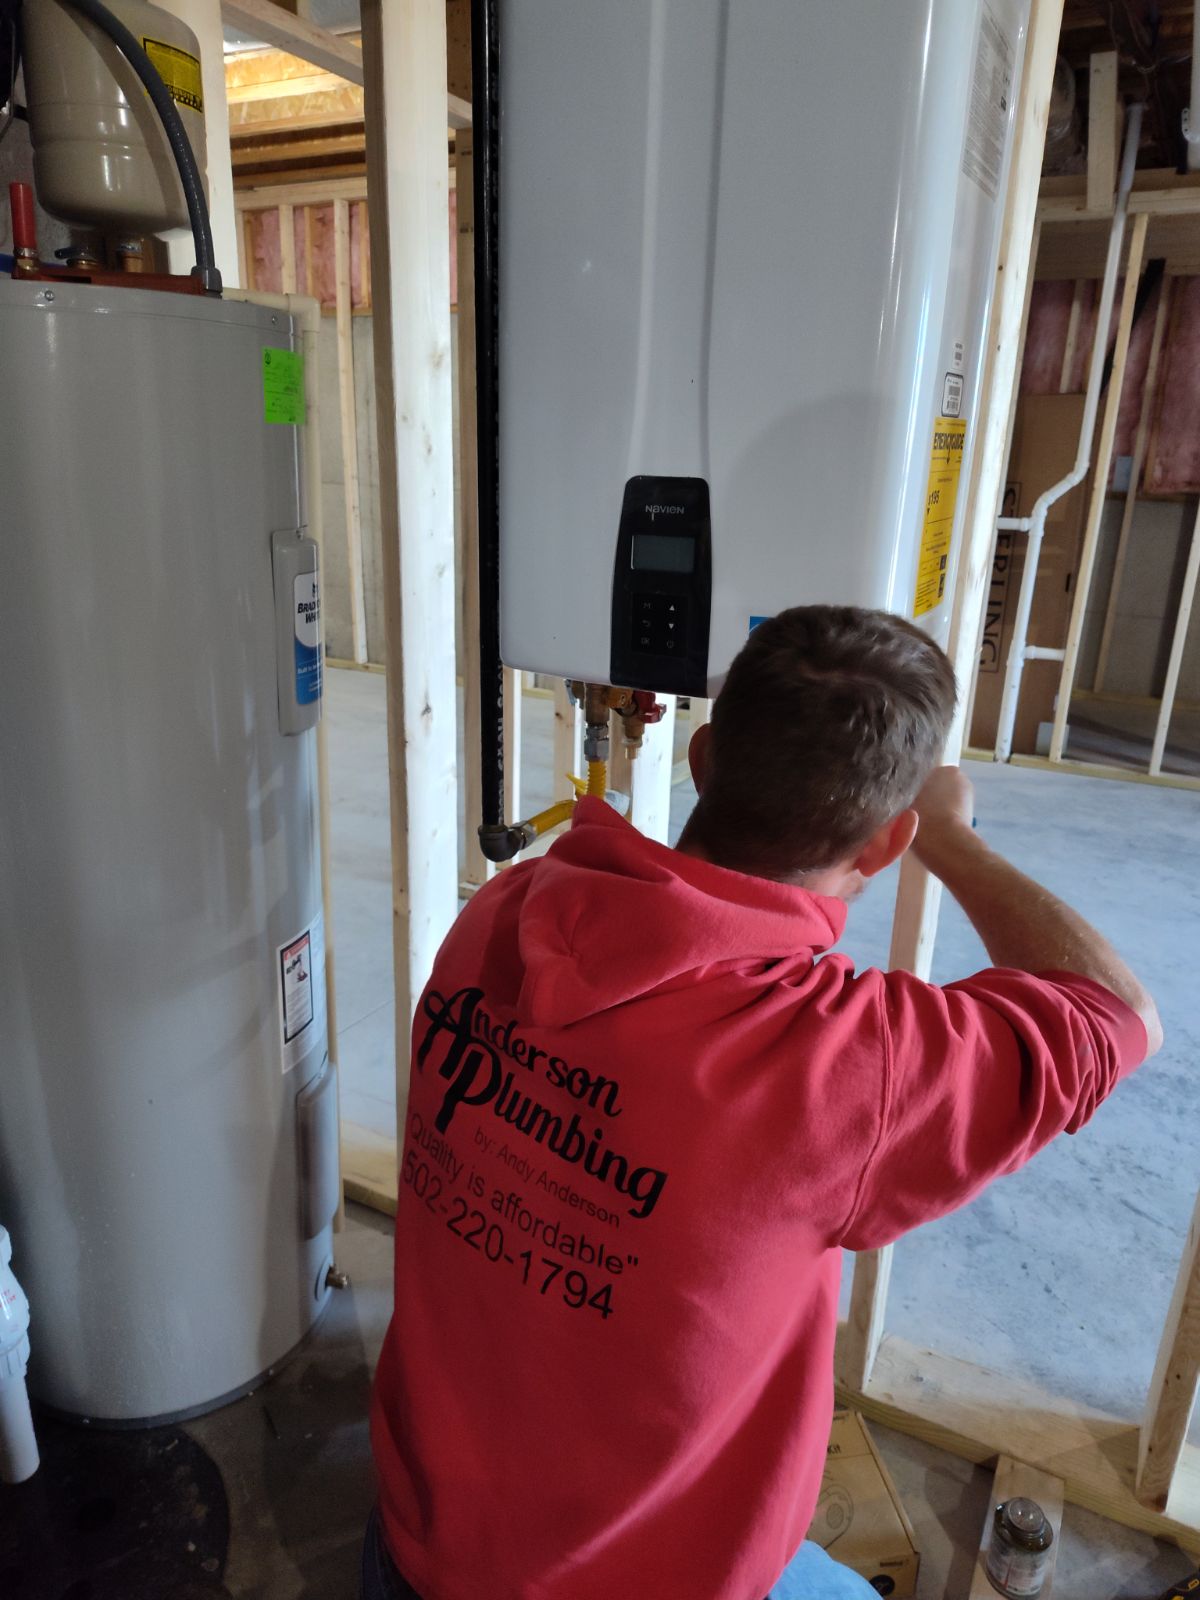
(264, 20)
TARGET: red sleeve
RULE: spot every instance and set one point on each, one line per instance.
(979, 1077)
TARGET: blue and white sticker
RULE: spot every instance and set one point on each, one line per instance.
(307, 613)
(754, 622)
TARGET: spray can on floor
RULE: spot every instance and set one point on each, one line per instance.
(1018, 1554)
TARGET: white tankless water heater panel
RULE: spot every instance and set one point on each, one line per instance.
(746, 253)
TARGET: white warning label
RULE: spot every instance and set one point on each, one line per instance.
(991, 98)
(300, 976)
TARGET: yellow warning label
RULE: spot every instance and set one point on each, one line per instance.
(179, 71)
(945, 464)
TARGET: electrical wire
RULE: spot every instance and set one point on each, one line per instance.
(181, 147)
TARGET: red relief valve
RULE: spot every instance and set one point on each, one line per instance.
(640, 708)
(647, 708)
(24, 231)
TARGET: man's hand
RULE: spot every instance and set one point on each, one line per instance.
(944, 807)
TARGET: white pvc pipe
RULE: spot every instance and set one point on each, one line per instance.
(18, 1442)
(307, 313)
(1018, 652)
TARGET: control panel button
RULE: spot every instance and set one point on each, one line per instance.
(659, 624)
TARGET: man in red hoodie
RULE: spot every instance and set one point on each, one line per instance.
(647, 1112)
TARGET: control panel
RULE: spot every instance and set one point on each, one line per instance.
(662, 586)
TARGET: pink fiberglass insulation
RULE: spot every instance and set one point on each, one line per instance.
(1081, 366)
(1174, 463)
(1136, 364)
(324, 266)
(268, 266)
(1046, 337)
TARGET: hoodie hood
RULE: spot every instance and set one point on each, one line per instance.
(610, 915)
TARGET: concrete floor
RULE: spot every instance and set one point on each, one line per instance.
(1063, 1272)
(267, 1498)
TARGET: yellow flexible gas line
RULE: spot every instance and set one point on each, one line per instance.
(560, 811)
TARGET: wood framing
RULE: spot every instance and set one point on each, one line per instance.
(568, 737)
(1172, 1394)
(264, 20)
(1101, 467)
(349, 426)
(860, 1336)
(1135, 478)
(1097, 769)
(1072, 339)
(647, 777)
(287, 249)
(1013, 1480)
(1178, 642)
(1158, 190)
(404, 47)
(979, 1414)
(1104, 132)
(369, 1167)
(477, 869)
(312, 192)
(314, 80)
(1075, 237)
(918, 898)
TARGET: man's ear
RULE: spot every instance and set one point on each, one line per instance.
(886, 844)
(699, 755)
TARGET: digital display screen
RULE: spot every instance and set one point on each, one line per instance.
(663, 552)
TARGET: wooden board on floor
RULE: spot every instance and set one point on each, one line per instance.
(369, 1167)
(1096, 769)
(980, 1415)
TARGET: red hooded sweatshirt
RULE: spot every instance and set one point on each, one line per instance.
(643, 1120)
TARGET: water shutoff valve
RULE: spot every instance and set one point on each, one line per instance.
(18, 1443)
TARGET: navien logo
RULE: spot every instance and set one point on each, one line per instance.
(664, 511)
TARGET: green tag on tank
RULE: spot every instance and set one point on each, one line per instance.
(283, 386)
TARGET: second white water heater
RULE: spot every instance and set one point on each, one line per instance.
(745, 253)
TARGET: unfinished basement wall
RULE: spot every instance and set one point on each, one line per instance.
(313, 226)
(1147, 601)
(1061, 330)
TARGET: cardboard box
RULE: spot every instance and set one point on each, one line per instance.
(859, 1518)
(1045, 439)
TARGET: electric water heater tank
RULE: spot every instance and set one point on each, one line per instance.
(168, 1126)
(745, 257)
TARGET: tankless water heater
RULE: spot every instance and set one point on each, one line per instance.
(744, 262)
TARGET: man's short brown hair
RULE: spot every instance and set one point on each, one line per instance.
(830, 721)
